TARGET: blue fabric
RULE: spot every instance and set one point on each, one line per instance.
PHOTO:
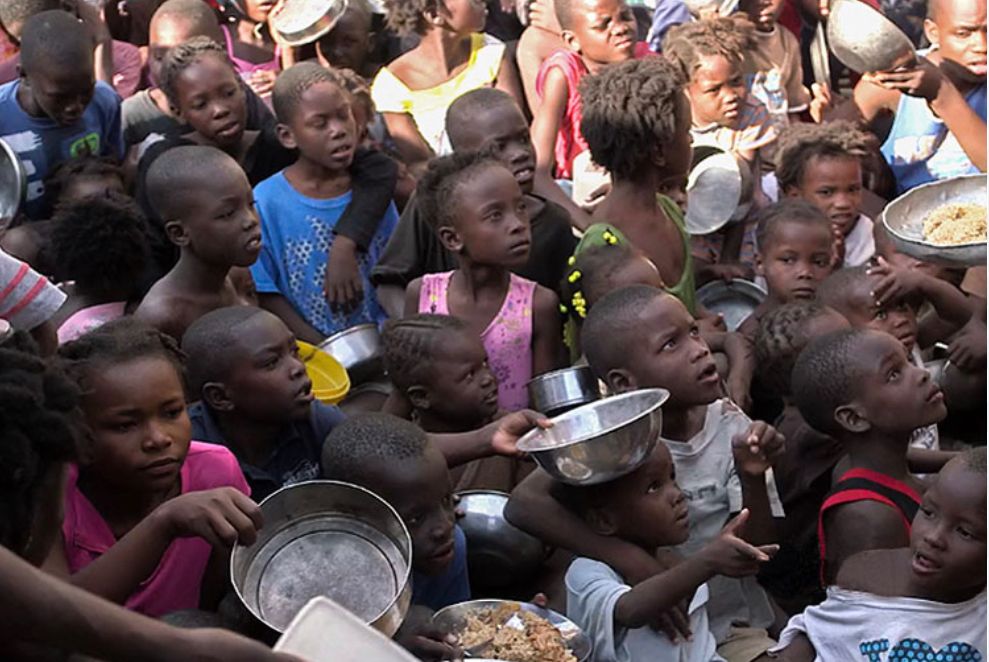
(41, 143)
(297, 235)
(666, 14)
(448, 588)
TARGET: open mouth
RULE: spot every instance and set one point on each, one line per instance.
(253, 244)
(709, 374)
(924, 565)
(341, 151)
(305, 392)
(443, 552)
(524, 175)
(935, 395)
(491, 398)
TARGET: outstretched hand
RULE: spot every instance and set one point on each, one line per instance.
(921, 80)
(509, 429)
(730, 555)
(756, 450)
(222, 516)
(895, 283)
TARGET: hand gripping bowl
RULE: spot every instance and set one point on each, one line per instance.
(326, 538)
(599, 441)
(866, 41)
(904, 218)
(358, 349)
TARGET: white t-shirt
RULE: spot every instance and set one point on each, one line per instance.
(593, 590)
(925, 437)
(860, 244)
(706, 473)
(852, 625)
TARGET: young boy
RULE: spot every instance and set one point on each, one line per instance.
(859, 387)
(926, 602)
(822, 163)
(301, 205)
(205, 202)
(56, 109)
(255, 398)
(641, 337)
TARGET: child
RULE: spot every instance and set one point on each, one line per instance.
(860, 388)
(453, 57)
(255, 397)
(646, 508)
(596, 33)
(476, 207)
(350, 43)
(99, 247)
(250, 45)
(56, 110)
(641, 337)
(822, 163)
(922, 602)
(28, 302)
(144, 504)
(207, 208)
(302, 205)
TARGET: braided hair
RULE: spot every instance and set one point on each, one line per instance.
(410, 344)
(779, 340)
(437, 188)
(183, 56)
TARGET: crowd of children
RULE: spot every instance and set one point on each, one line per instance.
(200, 196)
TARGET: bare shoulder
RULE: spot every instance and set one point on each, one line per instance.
(412, 292)
(877, 571)
(544, 302)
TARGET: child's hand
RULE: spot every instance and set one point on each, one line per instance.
(923, 80)
(594, 197)
(757, 449)
(895, 283)
(262, 81)
(342, 284)
(712, 323)
(731, 556)
(420, 637)
(219, 645)
(968, 348)
(509, 429)
(820, 102)
(221, 516)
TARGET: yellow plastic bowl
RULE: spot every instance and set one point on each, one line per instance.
(330, 382)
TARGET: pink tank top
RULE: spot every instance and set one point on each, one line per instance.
(507, 340)
(245, 68)
(86, 319)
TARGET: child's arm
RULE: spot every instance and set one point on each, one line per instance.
(508, 81)
(741, 364)
(546, 123)
(414, 149)
(858, 527)
(412, 297)
(799, 650)
(279, 306)
(754, 453)
(896, 283)
(547, 332)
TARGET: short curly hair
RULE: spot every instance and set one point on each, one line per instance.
(630, 108)
(436, 193)
(181, 57)
(780, 338)
(411, 344)
(292, 83)
(612, 324)
(827, 375)
(836, 290)
(409, 16)
(363, 448)
(801, 142)
(81, 166)
(686, 44)
(788, 210)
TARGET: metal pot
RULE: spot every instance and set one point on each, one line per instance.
(555, 392)
(298, 22)
(358, 349)
(13, 184)
(735, 300)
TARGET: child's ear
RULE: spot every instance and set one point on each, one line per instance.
(620, 380)
(215, 395)
(931, 32)
(285, 136)
(570, 39)
(450, 239)
(791, 191)
(852, 418)
(601, 522)
(759, 270)
(418, 396)
(177, 233)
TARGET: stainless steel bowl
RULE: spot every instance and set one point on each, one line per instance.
(555, 392)
(820, 56)
(13, 184)
(358, 349)
(454, 619)
(498, 554)
(298, 22)
(866, 41)
(599, 441)
(904, 218)
(715, 189)
(735, 300)
(332, 539)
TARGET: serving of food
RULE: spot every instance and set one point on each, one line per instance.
(954, 224)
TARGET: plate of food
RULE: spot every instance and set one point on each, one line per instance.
(943, 222)
(510, 631)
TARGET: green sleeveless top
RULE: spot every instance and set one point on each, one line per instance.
(684, 290)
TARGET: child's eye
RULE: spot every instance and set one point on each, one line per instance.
(825, 192)
(892, 375)
(788, 260)
(670, 344)
(881, 315)
(926, 512)
(174, 412)
(695, 331)
(225, 214)
(653, 488)
(270, 364)
(124, 427)
(822, 262)
(470, 376)
(965, 533)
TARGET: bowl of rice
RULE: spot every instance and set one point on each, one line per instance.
(942, 222)
(517, 631)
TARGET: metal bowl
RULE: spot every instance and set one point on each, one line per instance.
(904, 218)
(599, 441)
(555, 392)
(735, 300)
(358, 349)
(298, 22)
(864, 40)
(820, 57)
(332, 539)
(719, 189)
(454, 619)
(498, 554)
(13, 184)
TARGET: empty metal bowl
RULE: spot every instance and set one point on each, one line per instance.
(716, 188)
(298, 22)
(904, 219)
(735, 300)
(866, 41)
(454, 619)
(358, 349)
(332, 539)
(498, 554)
(820, 56)
(555, 392)
(599, 441)
(13, 184)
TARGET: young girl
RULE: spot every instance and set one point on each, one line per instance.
(144, 504)
(250, 46)
(453, 57)
(477, 209)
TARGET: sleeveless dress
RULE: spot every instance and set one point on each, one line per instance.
(507, 340)
(245, 68)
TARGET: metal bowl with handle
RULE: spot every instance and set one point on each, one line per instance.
(556, 392)
(326, 538)
(599, 441)
(866, 41)
(358, 349)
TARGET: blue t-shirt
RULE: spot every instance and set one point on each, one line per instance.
(449, 587)
(41, 143)
(297, 234)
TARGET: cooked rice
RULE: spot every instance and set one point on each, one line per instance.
(538, 642)
(954, 223)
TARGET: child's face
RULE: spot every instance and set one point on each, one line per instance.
(959, 29)
(464, 16)
(346, 46)
(948, 536)
(668, 352)
(258, 10)
(762, 12)
(62, 94)
(492, 225)
(502, 132)
(84, 187)
(212, 101)
(323, 128)
(603, 31)
(462, 387)
(140, 430)
(898, 318)
(795, 261)
(716, 91)
(675, 188)
(166, 32)
(833, 185)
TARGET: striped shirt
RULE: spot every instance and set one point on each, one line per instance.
(27, 298)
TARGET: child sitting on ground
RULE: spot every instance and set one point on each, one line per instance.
(927, 601)
(647, 509)
(860, 388)
(144, 505)
(254, 397)
(641, 337)
(205, 203)
(477, 209)
(302, 206)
